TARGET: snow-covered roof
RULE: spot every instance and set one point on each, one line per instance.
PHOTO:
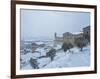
(77, 33)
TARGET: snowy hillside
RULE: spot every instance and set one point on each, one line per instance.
(39, 58)
(73, 59)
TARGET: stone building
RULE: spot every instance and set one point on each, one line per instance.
(86, 32)
(70, 37)
(67, 38)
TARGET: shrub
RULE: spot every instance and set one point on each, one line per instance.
(34, 63)
(67, 46)
(80, 43)
(70, 46)
(51, 54)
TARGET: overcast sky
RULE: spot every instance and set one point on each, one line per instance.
(42, 23)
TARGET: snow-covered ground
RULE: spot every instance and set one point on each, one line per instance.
(71, 59)
(74, 58)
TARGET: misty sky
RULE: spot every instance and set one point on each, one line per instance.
(43, 23)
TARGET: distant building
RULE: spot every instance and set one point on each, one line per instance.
(67, 38)
(70, 37)
(86, 31)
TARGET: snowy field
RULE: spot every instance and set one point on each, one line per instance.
(34, 56)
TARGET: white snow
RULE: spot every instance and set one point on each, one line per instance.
(39, 42)
(28, 66)
(25, 59)
(71, 59)
(77, 32)
(43, 62)
(57, 47)
(60, 61)
(27, 56)
(74, 58)
(42, 51)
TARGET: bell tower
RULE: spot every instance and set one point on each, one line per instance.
(55, 35)
(55, 39)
